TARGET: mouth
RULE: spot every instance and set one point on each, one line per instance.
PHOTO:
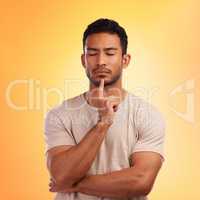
(102, 72)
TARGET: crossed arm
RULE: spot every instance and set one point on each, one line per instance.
(130, 182)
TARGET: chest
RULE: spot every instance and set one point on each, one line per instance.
(121, 136)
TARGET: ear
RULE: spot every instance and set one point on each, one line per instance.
(126, 60)
(83, 60)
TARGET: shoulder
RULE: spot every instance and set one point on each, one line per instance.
(67, 107)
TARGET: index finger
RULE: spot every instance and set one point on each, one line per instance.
(101, 88)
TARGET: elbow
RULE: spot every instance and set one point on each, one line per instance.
(68, 178)
(145, 187)
(62, 180)
(141, 188)
(59, 180)
(58, 177)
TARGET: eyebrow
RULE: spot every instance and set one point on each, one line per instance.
(105, 49)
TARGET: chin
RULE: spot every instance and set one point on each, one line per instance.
(106, 80)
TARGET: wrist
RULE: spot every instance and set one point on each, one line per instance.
(103, 125)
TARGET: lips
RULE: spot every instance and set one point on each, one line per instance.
(102, 72)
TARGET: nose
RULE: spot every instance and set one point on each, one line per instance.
(101, 61)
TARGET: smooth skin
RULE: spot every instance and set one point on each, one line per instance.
(68, 165)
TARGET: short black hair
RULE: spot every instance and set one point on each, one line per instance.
(107, 26)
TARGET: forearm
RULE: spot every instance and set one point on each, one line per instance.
(71, 165)
(118, 184)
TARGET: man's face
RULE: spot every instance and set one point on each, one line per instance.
(103, 58)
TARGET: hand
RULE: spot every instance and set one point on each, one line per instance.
(107, 105)
(53, 187)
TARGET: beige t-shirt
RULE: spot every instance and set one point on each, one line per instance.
(137, 126)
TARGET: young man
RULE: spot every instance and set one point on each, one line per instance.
(105, 143)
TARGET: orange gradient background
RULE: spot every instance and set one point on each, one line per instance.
(41, 42)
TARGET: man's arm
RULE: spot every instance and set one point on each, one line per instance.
(130, 182)
(68, 165)
(134, 181)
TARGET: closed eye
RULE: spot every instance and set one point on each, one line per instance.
(110, 54)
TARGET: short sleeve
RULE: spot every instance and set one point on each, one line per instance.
(151, 130)
(56, 132)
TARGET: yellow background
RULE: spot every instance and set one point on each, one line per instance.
(42, 40)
